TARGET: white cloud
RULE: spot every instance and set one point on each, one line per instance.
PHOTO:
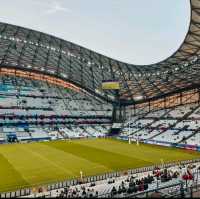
(56, 7)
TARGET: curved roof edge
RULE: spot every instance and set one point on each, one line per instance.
(28, 49)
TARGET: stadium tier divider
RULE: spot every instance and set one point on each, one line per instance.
(90, 179)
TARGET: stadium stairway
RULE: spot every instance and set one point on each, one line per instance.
(178, 121)
(146, 126)
(189, 136)
(154, 120)
(183, 129)
(131, 122)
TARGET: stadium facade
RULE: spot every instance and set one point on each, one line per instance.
(24, 50)
(29, 54)
(51, 89)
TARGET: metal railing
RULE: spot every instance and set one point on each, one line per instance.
(90, 179)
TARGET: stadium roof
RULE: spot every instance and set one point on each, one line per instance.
(31, 50)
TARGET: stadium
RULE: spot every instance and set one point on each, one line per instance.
(75, 123)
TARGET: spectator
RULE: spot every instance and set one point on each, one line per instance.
(113, 191)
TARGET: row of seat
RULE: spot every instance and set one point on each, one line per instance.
(175, 125)
(37, 110)
(63, 132)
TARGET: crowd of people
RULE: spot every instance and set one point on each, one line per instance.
(83, 192)
(134, 185)
(128, 185)
(140, 185)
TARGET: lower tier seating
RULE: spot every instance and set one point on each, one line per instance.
(180, 125)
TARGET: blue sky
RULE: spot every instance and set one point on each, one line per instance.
(134, 31)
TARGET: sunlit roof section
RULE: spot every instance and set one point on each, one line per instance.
(34, 51)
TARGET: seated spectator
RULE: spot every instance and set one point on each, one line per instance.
(96, 194)
(92, 184)
(146, 186)
(130, 190)
(84, 193)
(141, 186)
(119, 190)
(113, 191)
(123, 189)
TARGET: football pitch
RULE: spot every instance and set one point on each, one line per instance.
(33, 164)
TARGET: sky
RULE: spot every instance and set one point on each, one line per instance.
(134, 31)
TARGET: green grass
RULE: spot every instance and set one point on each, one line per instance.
(27, 165)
